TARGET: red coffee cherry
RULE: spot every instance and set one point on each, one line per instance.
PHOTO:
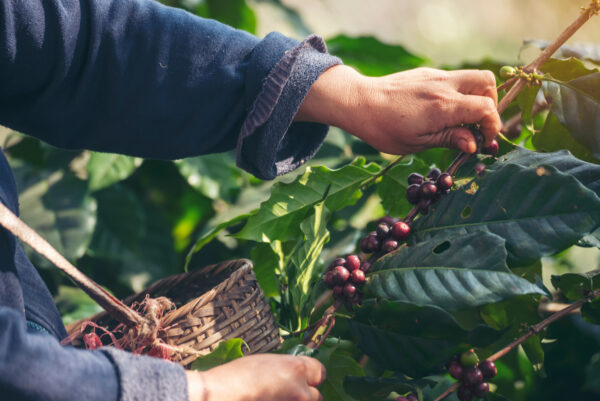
(329, 279)
(352, 262)
(456, 370)
(428, 190)
(434, 173)
(481, 390)
(464, 393)
(389, 245)
(349, 290)
(413, 194)
(357, 276)
(415, 178)
(401, 231)
(488, 369)
(338, 292)
(492, 149)
(444, 182)
(472, 376)
(341, 274)
(365, 266)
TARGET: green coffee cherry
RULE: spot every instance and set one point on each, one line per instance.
(469, 358)
(507, 72)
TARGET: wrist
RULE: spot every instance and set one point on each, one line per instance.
(333, 97)
(197, 386)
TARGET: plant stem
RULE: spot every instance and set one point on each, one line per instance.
(533, 330)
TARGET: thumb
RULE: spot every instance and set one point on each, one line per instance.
(460, 138)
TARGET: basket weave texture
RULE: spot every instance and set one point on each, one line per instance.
(232, 305)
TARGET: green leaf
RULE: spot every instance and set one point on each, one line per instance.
(448, 288)
(339, 366)
(413, 356)
(535, 353)
(226, 351)
(280, 216)
(583, 51)
(555, 136)
(235, 13)
(377, 388)
(306, 258)
(576, 285)
(590, 311)
(538, 211)
(477, 250)
(215, 176)
(576, 104)
(372, 57)
(105, 169)
(266, 264)
(526, 100)
(57, 206)
(393, 185)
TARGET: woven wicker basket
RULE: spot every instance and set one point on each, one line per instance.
(232, 305)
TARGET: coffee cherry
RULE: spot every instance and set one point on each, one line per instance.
(373, 244)
(507, 72)
(389, 220)
(412, 397)
(424, 206)
(341, 274)
(365, 266)
(350, 290)
(329, 279)
(444, 182)
(364, 245)
(357, 276)
(472, 376)
(383, 230)
(337, 262)
(338, 292)
(415, 178)
(352, 262)
(456, 370)
(428, 190)
(389, 245)
(434, 173)
(481, 390)
(400, 231)
(480, 169)
(492, 149)
(413, 194)
(454, 358)
(488, 369)
(464, 393)
(469, 358)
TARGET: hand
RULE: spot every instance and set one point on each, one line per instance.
(264, 377)
(408, 111)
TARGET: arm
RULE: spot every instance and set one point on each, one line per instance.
(136, 77)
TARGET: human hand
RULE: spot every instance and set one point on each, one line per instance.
(263, 377)
(408, 111)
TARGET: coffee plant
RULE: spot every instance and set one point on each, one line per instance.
(424, 277)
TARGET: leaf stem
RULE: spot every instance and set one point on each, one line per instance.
(533, 330)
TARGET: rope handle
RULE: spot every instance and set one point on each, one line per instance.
(112, 305)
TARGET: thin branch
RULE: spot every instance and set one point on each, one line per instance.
(112, 305)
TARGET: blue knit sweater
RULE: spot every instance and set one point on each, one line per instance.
(138, 78)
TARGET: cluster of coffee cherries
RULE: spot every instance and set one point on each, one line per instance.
(470, 372)
(423, 191)
(345, 276)
(410, 397)
(389, 234)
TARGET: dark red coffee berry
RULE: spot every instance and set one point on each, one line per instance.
(433, 174)
(464, 393)
(364, 245)
(413, 194)
(365, 266)
(480, 169)
(357, 276)
(341, 274)
(329, 279)
(412, 397)
(415, 178)
(488, 369)
(456, 370)
(389, 245)
(472, 376)
(424, 206)
(389, 220)
(428, 190)
(338, 291)
(481, 390)
(400, 231)
(383, 230)
(444, 182)
(352, 262)
(492, 149)
(338, 262)
(452, 359)
(373, 244)
(349, 290)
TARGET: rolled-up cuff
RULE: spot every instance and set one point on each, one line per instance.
(269, 143)
(143, 378)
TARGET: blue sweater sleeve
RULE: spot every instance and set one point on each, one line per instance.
(138, 78)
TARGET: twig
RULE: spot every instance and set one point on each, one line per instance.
(533, 330)
(112, 305)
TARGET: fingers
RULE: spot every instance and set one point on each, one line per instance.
(315, 371)
(475, 82)
(472, 109)
(314, 394)
(458, 138)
